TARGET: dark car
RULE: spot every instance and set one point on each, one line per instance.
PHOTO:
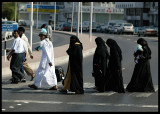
(66, 27)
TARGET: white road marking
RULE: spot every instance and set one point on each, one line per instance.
(11, 106)
(128, 39)
(85, 103)
(104, 94)
(3, 109)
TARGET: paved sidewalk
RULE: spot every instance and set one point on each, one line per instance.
(60, 54)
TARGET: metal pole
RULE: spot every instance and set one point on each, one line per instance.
(90, 29)
(72, 16)
(78, 19)
(15, 11)
(37, 14)
(81, 17)
(5, 49)
(54, 15)
(31, 25)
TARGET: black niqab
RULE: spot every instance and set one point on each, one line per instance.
(115, 80)
(76, 67)
(100, 67)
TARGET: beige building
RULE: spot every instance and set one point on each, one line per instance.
(140, 13)
(102, 12)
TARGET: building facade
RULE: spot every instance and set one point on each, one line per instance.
(102, 12)
(140, 13)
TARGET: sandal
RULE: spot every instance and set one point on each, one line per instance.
(32, 77)
(53, 88)
(33, 86)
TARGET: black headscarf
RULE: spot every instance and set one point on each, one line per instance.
(74, 39)
(114, 47)
(101, 46)
(147, 51)
(100, 64)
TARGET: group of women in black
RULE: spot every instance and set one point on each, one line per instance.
(107, 68)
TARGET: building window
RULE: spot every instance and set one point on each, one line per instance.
(138, 12)
(146, 10)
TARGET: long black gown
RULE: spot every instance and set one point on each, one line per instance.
(115, 79)
(141, 80)
(100, 67)
(76, 64)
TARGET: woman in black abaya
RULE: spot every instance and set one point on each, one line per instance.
(141, 80)
(100, 67)
(74, 77)
(115, 79)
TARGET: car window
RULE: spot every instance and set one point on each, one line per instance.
(105, 23)
(112, 24)
(127, 24)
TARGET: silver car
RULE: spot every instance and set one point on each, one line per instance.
(147, 31)
(127, 28)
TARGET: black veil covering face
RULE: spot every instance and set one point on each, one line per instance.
(141, 80)
(115, 80)
(76, 64)
(100, 67)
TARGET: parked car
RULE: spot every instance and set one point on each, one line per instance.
(99, 28)
(109, 26)
(58, 27)
(66, 27)
(147, 31)
(86, 26)
(114, 28)
(111, 23)
(103, 27)
(126, 28)
(22, 23)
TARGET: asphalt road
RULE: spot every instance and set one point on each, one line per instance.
(20, 98)
(58, 40)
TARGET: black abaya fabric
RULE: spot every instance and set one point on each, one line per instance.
(115, 79)
(76, 64)
(100, 60)
(141, 80)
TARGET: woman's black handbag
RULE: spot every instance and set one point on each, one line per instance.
(59, 73)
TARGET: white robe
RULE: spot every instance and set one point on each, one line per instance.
(45, 75)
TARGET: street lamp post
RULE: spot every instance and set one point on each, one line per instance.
(78, 19)
(54, 15)
(37, 15)
(72, 16)
(81, 17)
(31, 25)
(90, 30)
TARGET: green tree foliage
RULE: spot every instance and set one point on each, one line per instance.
(8, 10)
(8, 13)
